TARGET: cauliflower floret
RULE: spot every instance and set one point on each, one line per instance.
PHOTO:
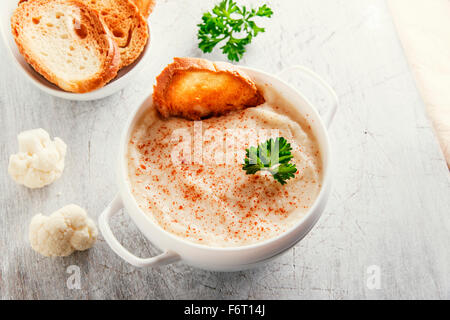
(40, 160)
(64, 231)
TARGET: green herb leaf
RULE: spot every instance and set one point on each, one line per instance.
(224, 21)
(273, 156)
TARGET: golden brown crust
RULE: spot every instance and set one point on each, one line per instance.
(127, 24)
(199, 103)
(97, 28)
(145, 6)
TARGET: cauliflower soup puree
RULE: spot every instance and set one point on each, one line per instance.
(187, 175)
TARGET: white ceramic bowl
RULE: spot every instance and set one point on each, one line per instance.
(220, 259)
(124, 77)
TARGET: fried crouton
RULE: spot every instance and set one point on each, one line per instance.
(195, 88)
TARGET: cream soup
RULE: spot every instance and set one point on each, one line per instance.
(187, 175)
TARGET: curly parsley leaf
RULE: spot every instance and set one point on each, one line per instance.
(273, 156)
(225, 21)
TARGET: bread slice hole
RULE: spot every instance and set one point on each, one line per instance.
(118, 33)
(128, 39)
(130, 34)
(80, 30)
(59, 15)
(36, 20)
(104, 13)
(50, 25)
(71, 48)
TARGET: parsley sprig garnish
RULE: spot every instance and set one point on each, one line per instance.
(225, 20)
(273, 156)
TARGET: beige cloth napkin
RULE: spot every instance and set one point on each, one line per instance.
(424, 30)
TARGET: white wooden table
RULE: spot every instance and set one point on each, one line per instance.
(390, 204)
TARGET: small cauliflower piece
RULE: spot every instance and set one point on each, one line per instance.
(64, 231)
(40, 160)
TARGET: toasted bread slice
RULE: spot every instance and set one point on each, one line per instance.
(145, 6)
(66, 42)
(195, 88)
(128, 26)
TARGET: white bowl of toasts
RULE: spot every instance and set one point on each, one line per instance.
(76, 49)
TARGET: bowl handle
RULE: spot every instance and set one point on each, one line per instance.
(103, 222)
(328, 118)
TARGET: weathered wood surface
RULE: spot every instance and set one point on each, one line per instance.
(390, 203)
